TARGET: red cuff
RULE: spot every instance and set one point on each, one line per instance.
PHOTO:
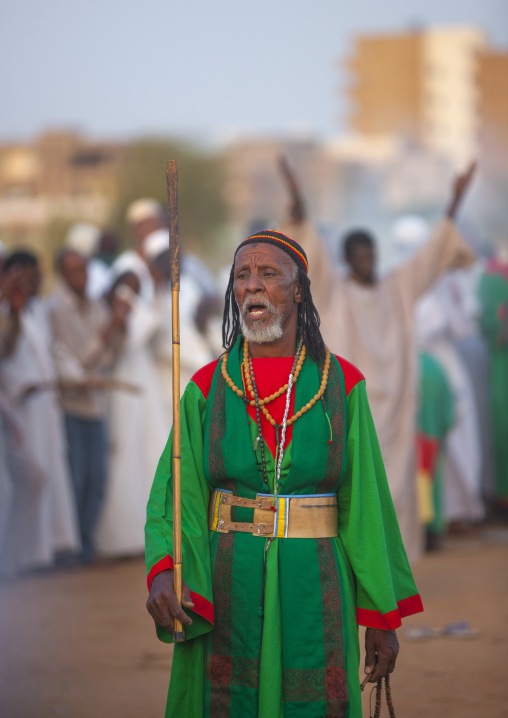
(162, 565)
(202, 606)
(392, 620)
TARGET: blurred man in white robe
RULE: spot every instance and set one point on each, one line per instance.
(194, 349)
(139, 423)
(85, 239)
(87, 337)
(143, 217)
(370, 322)
(30, 386)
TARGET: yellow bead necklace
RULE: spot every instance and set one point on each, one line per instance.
(247, 367)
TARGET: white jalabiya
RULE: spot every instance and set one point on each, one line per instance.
(373, 327)
(39, 415)
(23, 486)
(139, 428)
(99, 278)
(437, 314)
(6, 494)
(194, 349)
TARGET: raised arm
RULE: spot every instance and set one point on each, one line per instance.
(298, 227)
(297, 212)
(461, 184)
(446, 249)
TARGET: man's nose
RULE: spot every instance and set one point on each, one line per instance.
(254, 284)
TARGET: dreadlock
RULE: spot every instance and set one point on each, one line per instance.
(308, 317)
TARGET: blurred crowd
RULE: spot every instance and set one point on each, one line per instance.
(86, 390)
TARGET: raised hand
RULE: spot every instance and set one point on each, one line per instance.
(14, 289)
(460, 186)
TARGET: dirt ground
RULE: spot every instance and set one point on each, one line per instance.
(79, 643)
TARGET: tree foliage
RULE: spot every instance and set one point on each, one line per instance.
(201, 205)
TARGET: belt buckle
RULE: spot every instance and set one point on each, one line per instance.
(259, 529)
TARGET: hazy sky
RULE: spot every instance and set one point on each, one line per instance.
(204, 68)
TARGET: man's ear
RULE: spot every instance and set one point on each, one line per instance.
(298, 292)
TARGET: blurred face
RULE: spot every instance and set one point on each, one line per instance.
(74, 273)
(161, 267)
(362, 261)
(14, 288)
(266, 291)
(141, 230)
(130, 280)
(32, 276)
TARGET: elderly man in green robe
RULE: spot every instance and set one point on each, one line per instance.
(290, 539)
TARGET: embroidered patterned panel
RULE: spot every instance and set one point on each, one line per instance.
(333, 630)
(220, 662)
(217, 430)
(304, 685)
(245, 672)
(335, 407)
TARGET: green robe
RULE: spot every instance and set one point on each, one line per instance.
(299, 654)
(435, 419)
(493, 295)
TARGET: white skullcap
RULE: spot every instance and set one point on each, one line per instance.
(156, 243)
(142, 209)
(83, 238)
(129, 261)
(410, 232)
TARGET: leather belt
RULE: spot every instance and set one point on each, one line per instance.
(308, 516)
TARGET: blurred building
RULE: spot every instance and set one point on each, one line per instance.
(420, 85)
(344, 181)
(59, 177)
(254, 190)
(493, 108)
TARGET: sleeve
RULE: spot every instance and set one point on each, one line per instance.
(445, 250)
(368, 526)
(196, 569)
(143, 323)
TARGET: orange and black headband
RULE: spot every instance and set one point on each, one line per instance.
(288, 245)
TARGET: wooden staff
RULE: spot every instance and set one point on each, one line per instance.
(174, 251)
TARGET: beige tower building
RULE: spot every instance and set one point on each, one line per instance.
(493, 105)
(420, 85)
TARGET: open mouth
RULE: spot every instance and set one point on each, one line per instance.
(257, 310)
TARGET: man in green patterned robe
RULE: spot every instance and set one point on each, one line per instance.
(290, 539)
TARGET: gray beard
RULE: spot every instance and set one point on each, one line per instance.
(264, 335)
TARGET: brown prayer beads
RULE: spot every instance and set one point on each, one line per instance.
(272, 397)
